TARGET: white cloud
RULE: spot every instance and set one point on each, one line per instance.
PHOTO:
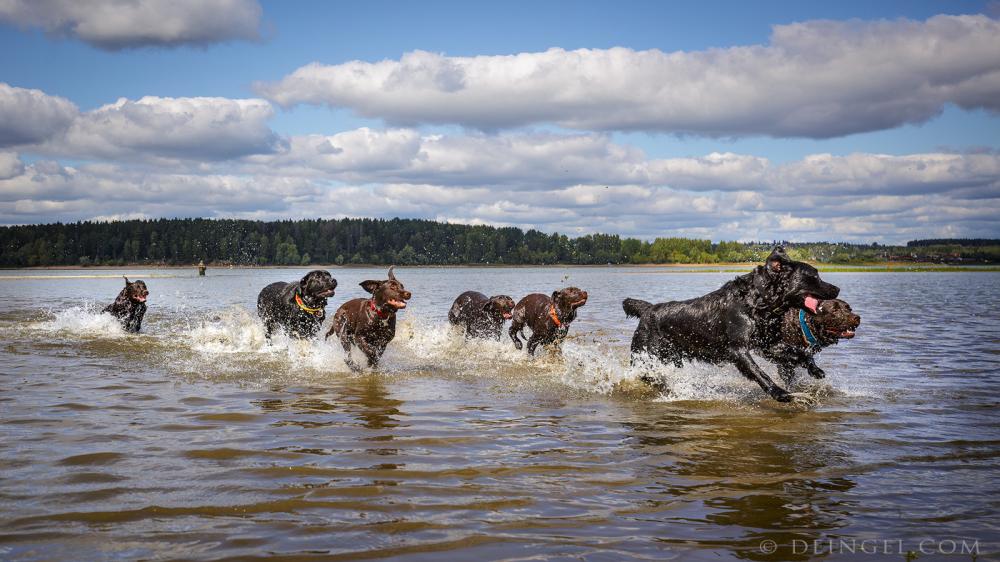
(187, 128)
(122, 24)
(29, 116)
(815, 79)
(10, 165)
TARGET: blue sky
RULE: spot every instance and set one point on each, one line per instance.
(667, 164)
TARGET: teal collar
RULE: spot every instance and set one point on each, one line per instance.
(806, 332)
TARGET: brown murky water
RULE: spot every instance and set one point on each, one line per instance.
(198, 440)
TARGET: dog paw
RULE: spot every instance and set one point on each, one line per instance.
(817, 373)
(781, 395)
(518, 345)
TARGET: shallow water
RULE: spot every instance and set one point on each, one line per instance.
(199, 440)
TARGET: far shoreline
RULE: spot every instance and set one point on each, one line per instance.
(728, 267)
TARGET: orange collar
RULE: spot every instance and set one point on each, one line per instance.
(377, 310)
(554, 316)
(302, 305)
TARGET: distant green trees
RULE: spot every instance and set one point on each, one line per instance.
(409, 242)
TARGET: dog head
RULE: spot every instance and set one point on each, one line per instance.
(317, 286)
(569, 299)
(135, 291)
(499, 305)
(834, 320)
(783, 282)
(389, 293)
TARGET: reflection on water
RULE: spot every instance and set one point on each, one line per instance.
(200, 440)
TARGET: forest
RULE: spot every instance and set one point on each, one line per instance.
(414, 242)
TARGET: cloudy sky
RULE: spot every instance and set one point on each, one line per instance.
(860, 121)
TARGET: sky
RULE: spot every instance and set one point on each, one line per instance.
(845, 121)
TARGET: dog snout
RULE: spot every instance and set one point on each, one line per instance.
(407, 295)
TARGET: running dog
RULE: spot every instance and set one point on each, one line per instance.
(726, 325)
(298, 308)
(130, 305)
(370, 323)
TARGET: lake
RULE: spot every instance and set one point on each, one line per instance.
(197, 439)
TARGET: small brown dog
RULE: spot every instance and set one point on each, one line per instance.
(804, 334)
(481, 316)
(370, 323)
(548, 318)
(130, 305)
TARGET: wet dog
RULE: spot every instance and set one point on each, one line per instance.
(130, 305)
(370, 324)
(548, 318)
(726, 325)
(481, 316)
(804, 333)
(298, 308)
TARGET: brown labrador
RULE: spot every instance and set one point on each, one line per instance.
(370, 323)
(130, 305)
(804, 333)
(481, 316)
(548, 317)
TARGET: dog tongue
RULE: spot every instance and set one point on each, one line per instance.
(811, 303)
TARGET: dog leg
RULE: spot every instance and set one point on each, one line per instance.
(533, 342)
(747, 366)
(814, 370)
(514, 328)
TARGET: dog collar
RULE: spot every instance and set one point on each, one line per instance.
(554, 316)
(806, 332)
(302, 305)
(377, 310)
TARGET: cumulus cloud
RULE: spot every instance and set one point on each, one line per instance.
(30, 116)
(186, 128)
(865, 197)
(10, 165)
(815, 79)
(122, 24)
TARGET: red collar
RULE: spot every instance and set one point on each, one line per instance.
(378, 312)
(554, 316)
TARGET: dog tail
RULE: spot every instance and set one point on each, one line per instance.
(635, 307)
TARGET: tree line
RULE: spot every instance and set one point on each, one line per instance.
(408, 242)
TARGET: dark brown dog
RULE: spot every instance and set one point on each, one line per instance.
(479, 315)
(548, 318)
(804, 334)
(298, 308)
(370, 323)
(130, 305)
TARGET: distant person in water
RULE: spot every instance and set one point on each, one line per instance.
(130, 305)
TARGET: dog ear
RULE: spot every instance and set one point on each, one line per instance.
(127, 282)
(391, 276)
(488, 306)
(777, 260)
(555, 295)
(370, 285)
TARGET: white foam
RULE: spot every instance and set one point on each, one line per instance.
(86, 321)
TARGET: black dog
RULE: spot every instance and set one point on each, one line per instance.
(298, 308)
(548, 318)
(130, 305)
(725, 325)
(370, 323)
(805, 333)
(479, 315)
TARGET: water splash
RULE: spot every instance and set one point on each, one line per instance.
(84, 321)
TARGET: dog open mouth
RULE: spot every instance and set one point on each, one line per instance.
(810, 303)
(507, 316)
(397, 304)
(139, 298)
(841, 334)
(579, 303)
(326, 293)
